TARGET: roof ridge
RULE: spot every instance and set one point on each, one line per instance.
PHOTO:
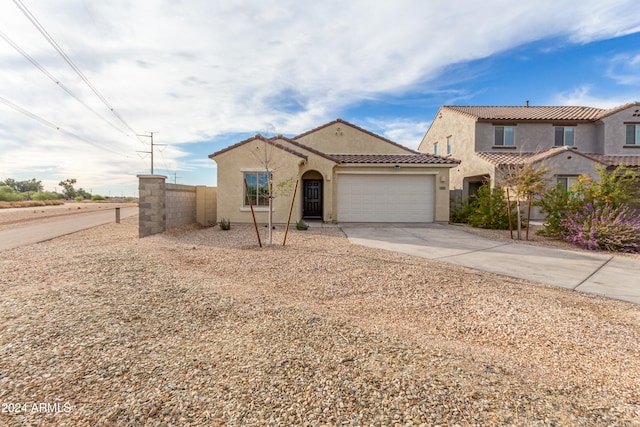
(256, 138)
(339, 120)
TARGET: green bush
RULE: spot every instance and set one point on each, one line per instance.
(554, 203)
(302, 225)
(489, 209)
(8, 194)
(460, 210)
(614, 189)
(97, 197)
(45, 195)
(78, 198)
(225, 224)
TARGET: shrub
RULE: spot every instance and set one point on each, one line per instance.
(460, 210)
(97, 197)
(225, 224)
(46, 195)
(78, 198)
(7, 194)
(602, 227)
(554, 203)
(614, 189)
(302, 225)
(489, 209)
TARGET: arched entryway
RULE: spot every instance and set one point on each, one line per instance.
(312, 193)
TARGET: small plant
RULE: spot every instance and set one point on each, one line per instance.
(225, 224)
(302, 225)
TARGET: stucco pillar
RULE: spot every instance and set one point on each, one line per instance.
(152, 218)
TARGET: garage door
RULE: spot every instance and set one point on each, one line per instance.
(385, 198)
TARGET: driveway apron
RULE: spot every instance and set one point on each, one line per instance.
(611, 276)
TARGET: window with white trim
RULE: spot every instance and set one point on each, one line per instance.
(564, 136)
(258, 183)
(505, 136)
(448, 145)
(567, 182)
(435, 148)
(633, 134)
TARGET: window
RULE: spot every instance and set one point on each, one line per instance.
(448, 145)
(258, 183)
(435, 148)
(633, 135)
(565, 136)
(567, 181)
(505, 136)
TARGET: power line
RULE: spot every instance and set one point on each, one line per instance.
(68, 60)
(58, 128)
(57, 82)
(151, 149)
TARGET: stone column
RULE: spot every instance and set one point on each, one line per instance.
(152, 218)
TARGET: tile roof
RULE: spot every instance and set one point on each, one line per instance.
(529, 113)
(503, 159)
(393, 158)
(629, 161)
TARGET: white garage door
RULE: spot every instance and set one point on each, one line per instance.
(385, 198)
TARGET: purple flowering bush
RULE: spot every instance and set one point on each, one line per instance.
(602, 227)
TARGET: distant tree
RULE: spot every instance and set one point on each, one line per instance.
(69, 192)
(31, 185)
(82, 193)
(11, 183)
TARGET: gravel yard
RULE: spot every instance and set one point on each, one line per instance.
(201, 327)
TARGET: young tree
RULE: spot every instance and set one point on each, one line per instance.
(527, 181)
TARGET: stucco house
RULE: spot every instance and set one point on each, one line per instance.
(345, 174)
(567, 140)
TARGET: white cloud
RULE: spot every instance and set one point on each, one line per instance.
(582, 96)
(403, 131)
(625, 68)
(198, 69)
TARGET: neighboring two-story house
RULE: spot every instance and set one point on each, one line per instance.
(569, 141)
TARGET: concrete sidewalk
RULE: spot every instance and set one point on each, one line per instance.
(611, 276)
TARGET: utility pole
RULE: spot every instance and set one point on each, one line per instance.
(175, 177)
(150, 136)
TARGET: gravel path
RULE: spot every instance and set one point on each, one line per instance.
(201, 327)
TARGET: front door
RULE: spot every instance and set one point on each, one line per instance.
(312, 205)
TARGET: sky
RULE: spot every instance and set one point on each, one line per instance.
(84, 82)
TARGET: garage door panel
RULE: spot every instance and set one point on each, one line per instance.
(385, 198)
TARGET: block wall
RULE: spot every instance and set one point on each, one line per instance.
(164, 205)
(180, 204)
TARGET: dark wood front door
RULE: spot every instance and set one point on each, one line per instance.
(312, 205)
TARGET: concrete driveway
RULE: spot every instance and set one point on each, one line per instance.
(611, 276)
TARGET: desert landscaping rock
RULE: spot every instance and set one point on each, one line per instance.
(201, 327)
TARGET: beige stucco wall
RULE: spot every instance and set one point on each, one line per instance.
(531, 137)
(287, 168)
(462, 130)
(341, 138)
(614, 132)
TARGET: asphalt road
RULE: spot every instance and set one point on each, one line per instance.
(35, 232)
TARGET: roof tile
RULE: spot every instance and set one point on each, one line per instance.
(529, 113)
(393, 158)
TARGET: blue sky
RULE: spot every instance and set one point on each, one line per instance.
(203, 75)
